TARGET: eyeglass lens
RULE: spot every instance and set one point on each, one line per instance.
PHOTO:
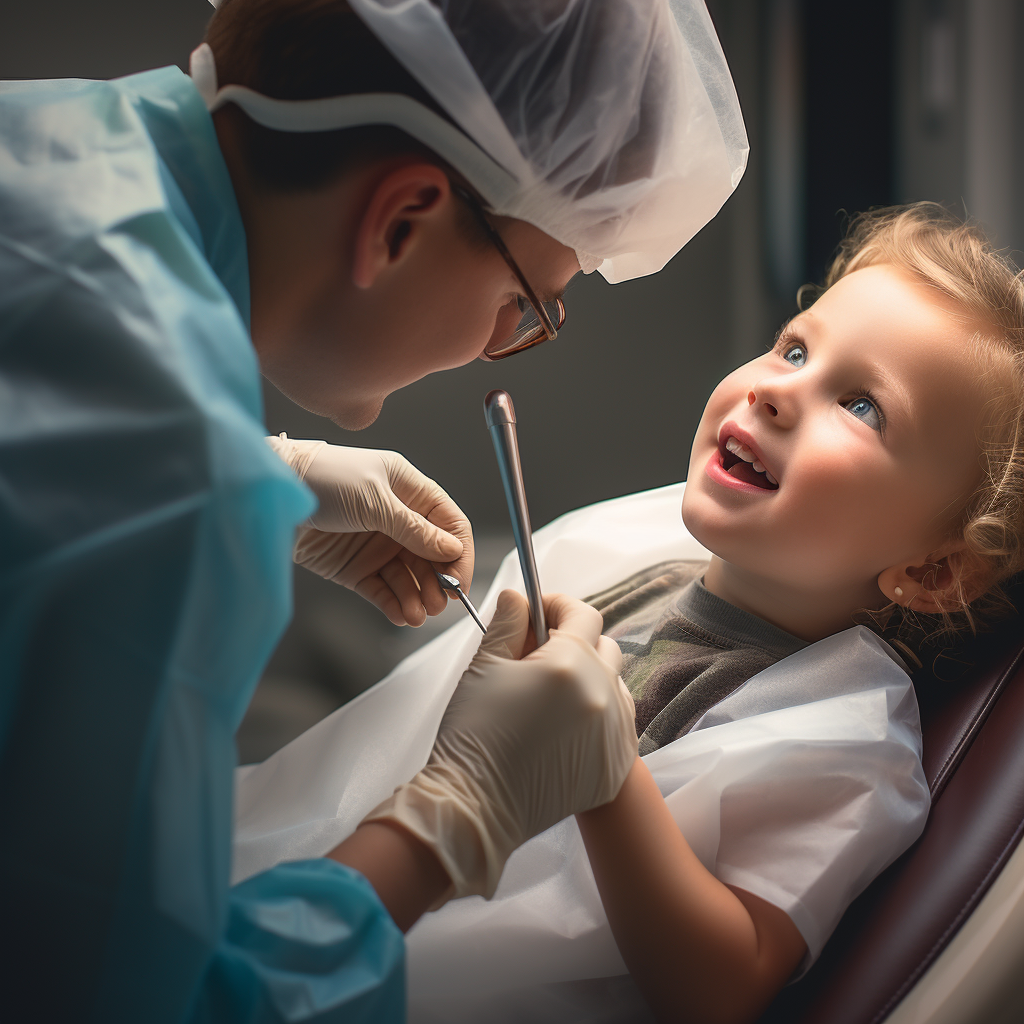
(529, 331)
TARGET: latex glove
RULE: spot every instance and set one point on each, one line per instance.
(379, 527)
(522, 745)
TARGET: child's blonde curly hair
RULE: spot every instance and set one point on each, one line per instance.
(956, 258)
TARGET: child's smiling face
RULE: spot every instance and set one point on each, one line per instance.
(866, 413)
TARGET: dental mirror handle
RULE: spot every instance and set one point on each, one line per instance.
(501, 422)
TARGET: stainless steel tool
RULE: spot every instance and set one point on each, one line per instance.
(451, 583)
(501, 422)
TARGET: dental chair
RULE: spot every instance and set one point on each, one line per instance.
(938, 938)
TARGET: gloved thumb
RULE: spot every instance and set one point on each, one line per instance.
(609, 650)
(422, 537)
(506, 632)
(628, 699)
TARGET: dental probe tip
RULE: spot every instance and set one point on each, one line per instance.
(451, 583)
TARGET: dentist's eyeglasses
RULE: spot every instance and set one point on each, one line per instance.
(538, 321)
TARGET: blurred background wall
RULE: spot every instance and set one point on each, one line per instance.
(847, 106)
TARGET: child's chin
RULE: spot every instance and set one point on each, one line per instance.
(699, 526)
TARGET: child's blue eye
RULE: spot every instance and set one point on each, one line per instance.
(866, 410)
(795, 354)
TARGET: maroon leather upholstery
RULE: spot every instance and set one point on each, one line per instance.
(974, 761)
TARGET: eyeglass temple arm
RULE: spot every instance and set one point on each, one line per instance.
(499, 244)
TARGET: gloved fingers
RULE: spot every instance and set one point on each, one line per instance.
(357, 561)
(457, 525)
(327, 554)
(431, 503)
(382, 593)
(569, 615)
(352, 489)
(361, 555)
(461, 568)
(299, 455)
(423, 538)
(403, 585)
(609, 650)
(377, 592)
(507, 630)
(434, 599)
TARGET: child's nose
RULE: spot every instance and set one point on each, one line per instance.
(776, 398)
(769, 408)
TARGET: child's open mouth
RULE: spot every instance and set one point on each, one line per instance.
(740, 462)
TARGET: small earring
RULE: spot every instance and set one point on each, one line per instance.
(899, 593)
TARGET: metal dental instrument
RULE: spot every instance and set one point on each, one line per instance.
(451, 583)
(501, 422)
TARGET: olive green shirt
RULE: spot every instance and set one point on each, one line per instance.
(683, 648)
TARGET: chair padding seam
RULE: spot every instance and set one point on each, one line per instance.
(963, 744)
(970, 904)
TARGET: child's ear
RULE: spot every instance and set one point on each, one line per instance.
(942, 581)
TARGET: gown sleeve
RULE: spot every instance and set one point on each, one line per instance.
(306, 941)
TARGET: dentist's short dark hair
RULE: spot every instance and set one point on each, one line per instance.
(309, 49)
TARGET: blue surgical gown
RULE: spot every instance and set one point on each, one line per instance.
(145, 557)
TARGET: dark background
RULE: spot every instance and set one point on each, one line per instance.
(847, 106)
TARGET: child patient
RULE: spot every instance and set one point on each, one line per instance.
(871, 463)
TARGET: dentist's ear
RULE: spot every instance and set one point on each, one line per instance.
(395, 213)
(942, 581)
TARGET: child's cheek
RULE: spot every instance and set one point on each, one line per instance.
(834, 507)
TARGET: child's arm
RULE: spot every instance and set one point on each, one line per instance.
(698, 949)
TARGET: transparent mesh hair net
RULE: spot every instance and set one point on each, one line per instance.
(616, 121)
(618, 118)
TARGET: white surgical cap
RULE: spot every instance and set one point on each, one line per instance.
(611, 125)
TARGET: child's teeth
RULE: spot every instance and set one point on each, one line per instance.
(737, 448)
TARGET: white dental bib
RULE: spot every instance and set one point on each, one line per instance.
(800, 787)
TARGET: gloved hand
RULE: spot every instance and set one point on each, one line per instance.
(379, 526)
(522, 745)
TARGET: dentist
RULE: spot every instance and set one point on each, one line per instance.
(344, 197)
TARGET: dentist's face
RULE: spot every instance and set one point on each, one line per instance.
(850, 446)
(350, 308)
